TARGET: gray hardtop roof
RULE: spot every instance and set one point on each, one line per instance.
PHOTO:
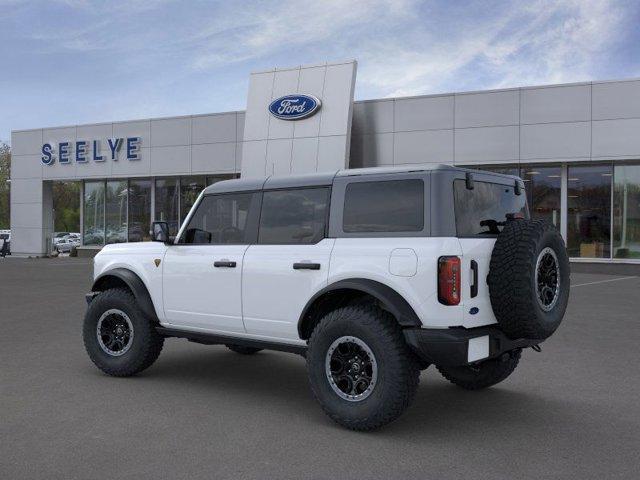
(326, 178)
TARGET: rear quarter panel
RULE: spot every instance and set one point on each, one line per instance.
(370, 258)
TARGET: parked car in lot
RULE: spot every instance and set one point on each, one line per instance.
(57, 236)
(5, 242)
(65, 245)
(371, 274)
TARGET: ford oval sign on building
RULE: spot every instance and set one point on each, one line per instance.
(294, 107)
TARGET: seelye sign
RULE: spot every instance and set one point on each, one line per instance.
(82, 151)
(294, 107)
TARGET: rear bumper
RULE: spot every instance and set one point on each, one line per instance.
(460, 346)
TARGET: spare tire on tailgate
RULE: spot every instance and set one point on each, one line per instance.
(529, 279)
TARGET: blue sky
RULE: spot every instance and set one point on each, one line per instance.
(76, 61)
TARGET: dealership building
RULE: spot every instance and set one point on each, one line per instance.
(577, 147)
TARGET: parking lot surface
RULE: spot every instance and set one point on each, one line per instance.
(572, 411)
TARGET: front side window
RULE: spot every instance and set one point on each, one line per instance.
(220, 219)
(297, 216)
(384, 206)
(484, 209)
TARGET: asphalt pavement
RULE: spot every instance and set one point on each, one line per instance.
(571, 411)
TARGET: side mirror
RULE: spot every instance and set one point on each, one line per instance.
(160, 232)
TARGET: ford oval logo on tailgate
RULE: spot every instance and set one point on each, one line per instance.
(294, 107)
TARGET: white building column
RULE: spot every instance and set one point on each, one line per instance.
(31, 215)
(29, 194)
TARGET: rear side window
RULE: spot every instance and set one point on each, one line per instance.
(221, 219)
(388, 206)
(296, 216)
(484, 210)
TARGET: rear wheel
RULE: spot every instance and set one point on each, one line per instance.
(120, 340)
(243, 350)
(361, 371)
(482, 375)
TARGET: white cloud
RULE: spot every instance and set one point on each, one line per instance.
(410, 48)
(260, 30)
(540, 42)
(404, 47)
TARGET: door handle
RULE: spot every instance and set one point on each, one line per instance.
(224, 263)
(306, 266)
(474, 271)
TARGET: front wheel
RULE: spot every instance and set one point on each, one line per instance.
(361, 371)
(120, 340)
(482, 375)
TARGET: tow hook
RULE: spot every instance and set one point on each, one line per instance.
(536, 348)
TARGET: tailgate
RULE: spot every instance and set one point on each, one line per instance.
(476, 255)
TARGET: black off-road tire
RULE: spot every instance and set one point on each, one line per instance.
(398, 368)
(482, 375)
(146, 344)
(512, 279)
(241, 349)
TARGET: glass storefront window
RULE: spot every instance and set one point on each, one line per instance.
(116, 211)
(543, 188)
(589, 211)
(139, 210)
(217, 178)
(190, 188)
(505, 170)
(167, 197)
(93, 227)
(626, 211)
(66, 206)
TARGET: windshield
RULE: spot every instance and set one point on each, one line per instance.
(484, 210)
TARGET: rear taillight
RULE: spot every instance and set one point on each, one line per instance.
(449, 280)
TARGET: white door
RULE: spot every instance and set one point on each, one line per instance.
(201, 285)
(278, 281)
(289, 263)
(202, 273)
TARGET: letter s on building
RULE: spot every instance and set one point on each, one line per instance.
(47, 154)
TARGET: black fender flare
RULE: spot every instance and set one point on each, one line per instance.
(387, 296)
(135, 284)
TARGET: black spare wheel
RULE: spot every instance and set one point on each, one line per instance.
(529, 279)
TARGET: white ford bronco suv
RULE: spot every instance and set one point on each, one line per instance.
(370, 274)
